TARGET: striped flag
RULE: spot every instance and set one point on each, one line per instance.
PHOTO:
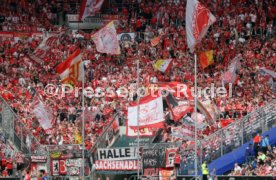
(163, 65)
(198, 21)
(206, 58)
(71, 70)
(106, 40)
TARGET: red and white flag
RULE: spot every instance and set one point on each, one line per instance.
(178, 108)
(45, 46)
(89, 8)
(150, 113)
(106, 40)
(43, 114)
(71, 70)
(198, 21)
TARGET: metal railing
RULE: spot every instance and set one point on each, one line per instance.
(231, 137)
(17, 132)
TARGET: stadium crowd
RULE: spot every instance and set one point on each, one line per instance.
(238, 30)
(263, 164)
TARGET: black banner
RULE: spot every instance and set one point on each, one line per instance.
(154, 158)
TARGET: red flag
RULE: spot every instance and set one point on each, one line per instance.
(71, 70)
(150, 112)
(198, 21)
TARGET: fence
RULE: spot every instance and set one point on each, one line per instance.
(231, 137)
(17, 132)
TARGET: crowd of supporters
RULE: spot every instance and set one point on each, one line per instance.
(260, 159)
(238, 30)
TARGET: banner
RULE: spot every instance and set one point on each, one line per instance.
(154, 158)
(106, 40)
(39, 159)
(69, 167)
(150, 113)
(74, 162)
(118, 153)
(73, 171)
(198, 21)
(43, 114)
(45, 46)
(126, 37)
(125, 165)
(170, 155)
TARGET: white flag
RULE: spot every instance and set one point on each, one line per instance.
(43, 115)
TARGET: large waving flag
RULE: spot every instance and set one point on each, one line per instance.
(45, 46)
(43, 114)
(89, 8)
(198, 21)
(206, 58)
(106, 40)
(163, 65)
(71, 70)
(150, 113)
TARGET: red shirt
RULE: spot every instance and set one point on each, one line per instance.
(4, 162)
(257, 139)
(177, 159)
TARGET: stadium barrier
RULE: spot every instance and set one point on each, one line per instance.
(231, 137)
(17, 132)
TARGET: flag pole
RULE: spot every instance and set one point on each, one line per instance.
(138, 114)
(195, 109)
(83, 147)
(83, 78)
